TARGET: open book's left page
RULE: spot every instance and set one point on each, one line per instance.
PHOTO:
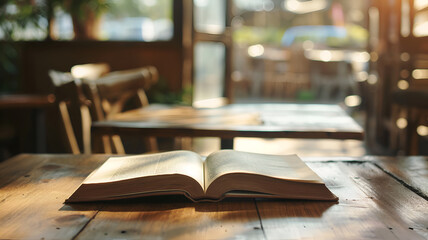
(175, 162)
(144, 175)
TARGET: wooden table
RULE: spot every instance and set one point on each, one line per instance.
(13, 105)
(13, 101)
(235, 120)
(379, 198)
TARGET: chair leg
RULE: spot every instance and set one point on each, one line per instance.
(86, 129)
(71, 137)
(183, 143)
(152, 144)
(106, 144)
(118, 145)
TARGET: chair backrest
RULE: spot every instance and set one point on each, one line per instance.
(91, 71)
(112, 92)
(74, 112)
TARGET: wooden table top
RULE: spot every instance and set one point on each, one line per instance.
(379, 198)
(236, 120)
(26, 101)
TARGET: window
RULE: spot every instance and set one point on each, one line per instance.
(285, 47)
(211, 52)
(210, 16)
(420, 28)
(105, 20)
(116, 20)
(23, 20)
(209, 70)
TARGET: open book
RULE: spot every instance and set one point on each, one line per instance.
(225, 173)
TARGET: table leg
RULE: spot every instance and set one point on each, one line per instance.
(226, 143)
(40, 130)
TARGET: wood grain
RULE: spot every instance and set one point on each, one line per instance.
(32, 205)
(372, 205)
(413, 171)
(393, 200)
(162, 219)
(18, 166)
(356, 216)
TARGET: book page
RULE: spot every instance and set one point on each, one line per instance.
(129, 167)
(289, 167)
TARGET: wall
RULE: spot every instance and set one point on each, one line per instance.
(37, 58)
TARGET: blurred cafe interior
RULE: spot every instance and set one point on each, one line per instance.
(369, 57)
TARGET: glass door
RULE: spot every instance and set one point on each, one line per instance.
(211, 51)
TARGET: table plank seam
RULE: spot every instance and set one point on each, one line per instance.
(402, 182)
(337, 161)
(86, 224)
(260, 218)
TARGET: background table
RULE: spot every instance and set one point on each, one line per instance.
(379, 198)
(26, 114)
(313, 121)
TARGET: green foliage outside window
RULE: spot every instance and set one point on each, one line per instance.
(256, 35)
(16, 17)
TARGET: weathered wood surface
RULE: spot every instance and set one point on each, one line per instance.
(164, 219)
(413, 171)
(236, 120)
(32, 203)
(372, 205)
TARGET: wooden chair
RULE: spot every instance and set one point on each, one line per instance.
(111, 92)
(91, 71)
(286, 73)
(116, 88)
(74, 111)
(332, 80)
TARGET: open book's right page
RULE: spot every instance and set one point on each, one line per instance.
(289, 167)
